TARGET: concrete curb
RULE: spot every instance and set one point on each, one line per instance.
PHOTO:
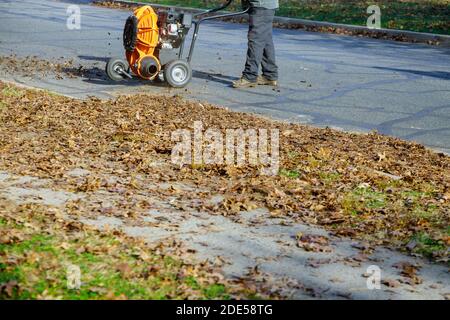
(310, 25)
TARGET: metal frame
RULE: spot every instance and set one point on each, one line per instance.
(202, 19)
(197, 20)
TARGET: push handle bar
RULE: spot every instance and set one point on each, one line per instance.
(201, 18)
(222, 7)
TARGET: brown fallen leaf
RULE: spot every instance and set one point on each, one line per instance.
(9, 287)
(124, 269)
(315, 243)
(317, 263)
(390, 283)
(409, 271)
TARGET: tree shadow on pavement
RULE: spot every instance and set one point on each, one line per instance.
(215, 77)
(432, 74)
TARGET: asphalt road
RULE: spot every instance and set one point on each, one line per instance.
(351, 83)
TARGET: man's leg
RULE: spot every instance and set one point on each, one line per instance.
(268, 63)
(259, 27)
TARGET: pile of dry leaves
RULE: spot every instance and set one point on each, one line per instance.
(39, 243)
(59, 68)
(365, 186)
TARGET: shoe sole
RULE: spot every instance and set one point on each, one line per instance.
(267, 83)
(246, 86)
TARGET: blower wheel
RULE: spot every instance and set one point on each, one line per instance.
(130, 33)
(178, 73)
(116, 69)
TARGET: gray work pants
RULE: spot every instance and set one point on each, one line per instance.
(261, 51)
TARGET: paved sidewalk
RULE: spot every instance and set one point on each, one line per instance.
(251, 241)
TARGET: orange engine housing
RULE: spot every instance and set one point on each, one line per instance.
(144, 56)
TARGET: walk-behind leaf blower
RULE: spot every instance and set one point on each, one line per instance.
(154, 44)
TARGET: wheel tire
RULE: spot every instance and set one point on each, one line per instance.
(130, 33)
(111, 67)
(178, 73)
